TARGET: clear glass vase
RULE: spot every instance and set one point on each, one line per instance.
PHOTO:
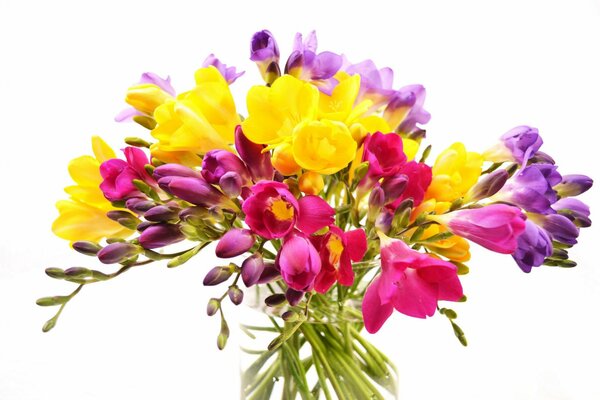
(318, 352)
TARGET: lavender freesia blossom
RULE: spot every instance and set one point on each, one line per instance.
(405, 109)
(533, 246)
(229, 73)
(573, 185)
(375, 84)
(519, 145)
(574, 209)
(265, 53)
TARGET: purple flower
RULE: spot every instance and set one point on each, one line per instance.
(117, 252)
(160, 235)
(217, 163)
(405, 109)
(560, 228)
(488, 186)
(118, 175)
(197, 191)
(573, 185)
(257, 161)
(265, 53)
(234, 242)
(252, 269)
(304, 63)
(519, 145)
(375, 84)
(533, 246)
(576, 210)
(229, 73)
(531, 188)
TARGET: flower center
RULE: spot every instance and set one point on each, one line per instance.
(282, 210)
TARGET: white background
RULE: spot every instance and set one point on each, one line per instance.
(488, 66)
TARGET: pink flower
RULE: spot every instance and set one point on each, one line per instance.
(272, 211)
(385, 154)
(118, 175)
(410, 282)
(495, 227)
(299, 262)
(418, 177)
(337, 250)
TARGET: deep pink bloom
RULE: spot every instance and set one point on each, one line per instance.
(299, 262)
(257, 161)
(418, 180)
(118, 175)
(495, 227)
(337, 250)
(385, 154)
(410, 282)
(272, 211)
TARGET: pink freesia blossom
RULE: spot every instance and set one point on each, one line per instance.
(299, 262)
(337, 250)
(272, 211)
(385, 154)
(118, 175)
(410, 282)
(495, 227)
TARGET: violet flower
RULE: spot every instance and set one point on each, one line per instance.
(533, 246)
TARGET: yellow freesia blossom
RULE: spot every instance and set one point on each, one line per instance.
(198, 121)
(83, 216)
(454, 248)
(454, 172)
(146, 97)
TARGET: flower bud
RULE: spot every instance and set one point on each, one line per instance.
(212, 307)
(234, 242)
(160, 235)
(235, 295)
(198, 191)
(231, 184)
(488, 186)
(258, 163)
(393, 187)
(311, 182)
(275, 299)
(217, 163)
(293, 296)
(218, 275)
(175, 170)
(252, 269)
(269, 274)
(86, 247)
(265, 53)
(376, 201)
(162, 213)
(117, 252)
(124, 218)
(139, 205)
(573, 185)
(223, 335)
(290, 316)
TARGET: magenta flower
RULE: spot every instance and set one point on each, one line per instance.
(385, 155)
(118, 175)
(304, 63)
(160, 235)
(418, 178)
(229, 73)
(337, 250)
(217, 163)
(299, 262)
(257, 161)
(272, 211)
(410, 282)
(495, 227)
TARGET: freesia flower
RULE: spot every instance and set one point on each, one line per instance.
(217, 163)
(265, 53)
(560, 228)
(144, 97)
(272, 211)
(375, 84)
(455, 171)
(299, 262)
(229, 73)
(118, 175)
(410, 282)
(160, 235)
(518, 145)
(405, 109)
(199, 120)
(83, 216)
(234, 242)
(418, 178)
(337, 250)
(385, 154)
(573, 185)
(196, 191)
(495, 227)
(533, 246)
(574, 209)
(257, 161)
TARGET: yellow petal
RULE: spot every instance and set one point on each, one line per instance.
(102, 151)
(85, 171)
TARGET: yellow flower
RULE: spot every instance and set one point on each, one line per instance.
(454, 172)
(311, 182)
(146, 97)
(83, 216)
(200, 120)
(323, 146)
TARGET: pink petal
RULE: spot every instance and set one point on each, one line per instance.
(374, 312)
(345, 273)
(324, 280)
(355, 244)
(414, 296)
(314, 214)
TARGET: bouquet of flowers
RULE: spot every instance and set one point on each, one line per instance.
(322, 205)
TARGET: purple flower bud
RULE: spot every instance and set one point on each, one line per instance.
(160, 235)
(519, 144)
(217, 275)
(259, 163)
(198, 191)
(174, 170)
(394, 187)
(488, 186)
(533, 246)
(231, 184)
(142, 226)
(235, 242)
(574, 209)
(86, 247)
(235, 295)
(212, 307)
(293, 296)
(217, 163)
(376, 198)
(275, 300)
(542, 158)
(269, 274)
(117, 252)
(263, 50)
(139, 205)
(161, 213)
(573, 185)
(252, 269)
(229, 73)
(560, 228)
(124, 218)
